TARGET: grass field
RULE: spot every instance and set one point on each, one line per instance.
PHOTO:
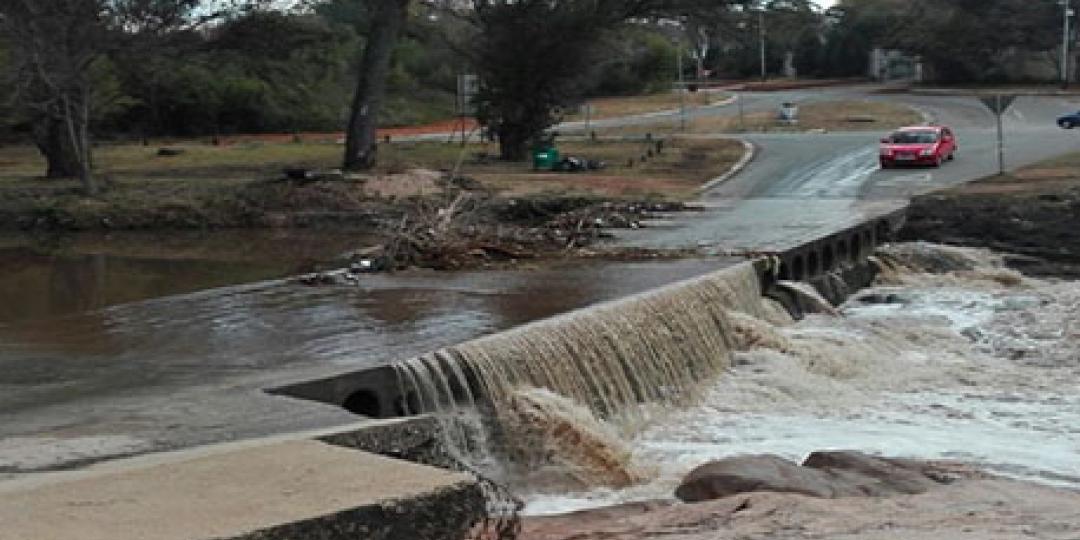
(613, 107)
(852, 115)
(238, 184)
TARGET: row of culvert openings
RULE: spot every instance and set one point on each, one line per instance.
(849, 250)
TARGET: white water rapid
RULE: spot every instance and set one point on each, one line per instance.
(949, 356)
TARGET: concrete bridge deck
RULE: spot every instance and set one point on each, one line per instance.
(275, 489)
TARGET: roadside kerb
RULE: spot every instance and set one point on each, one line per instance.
(749, 152)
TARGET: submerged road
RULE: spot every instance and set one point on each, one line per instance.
(190, 369)
(801, 186)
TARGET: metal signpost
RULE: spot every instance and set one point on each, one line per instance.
(998, 104)
(468, 86)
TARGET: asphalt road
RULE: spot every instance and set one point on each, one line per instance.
(804, 185)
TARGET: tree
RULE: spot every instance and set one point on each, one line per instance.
(536, 56)
(387, 19)
(55, 44)
(57, 58)
(961, 40)
(969, 40)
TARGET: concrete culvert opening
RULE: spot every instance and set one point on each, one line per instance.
(868, 241)
(883, 231)
(856, 248)
(784, 272)
(842, 252)
(363, 402)
(828, 260)
(813, 264)
(798, 269)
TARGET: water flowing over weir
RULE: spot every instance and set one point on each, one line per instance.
(613, 362)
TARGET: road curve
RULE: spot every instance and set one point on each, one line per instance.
(804, 185)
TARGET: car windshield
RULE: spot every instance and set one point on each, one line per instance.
(914, 137)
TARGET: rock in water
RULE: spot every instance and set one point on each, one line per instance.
(873, 475)
(744, 474)
(823, 474)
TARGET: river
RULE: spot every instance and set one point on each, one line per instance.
(121, 344)
(980, 366)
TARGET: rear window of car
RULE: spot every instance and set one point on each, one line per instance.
(914, 137)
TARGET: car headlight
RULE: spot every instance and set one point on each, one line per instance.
(886, 152)
(927, 152)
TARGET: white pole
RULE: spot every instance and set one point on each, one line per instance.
(681, 89)
(1065, 43)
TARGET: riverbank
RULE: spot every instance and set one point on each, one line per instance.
(1031, 214)
(199, 186)
(975, 506)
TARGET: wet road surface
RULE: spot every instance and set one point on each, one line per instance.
(802, 186)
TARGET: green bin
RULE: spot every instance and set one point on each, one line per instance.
(544, 159)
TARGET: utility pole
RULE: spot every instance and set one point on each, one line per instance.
(681, 86)
(761, 25)
(1000, 107)
(1066, 12)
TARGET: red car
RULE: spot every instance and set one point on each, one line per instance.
(918, 145)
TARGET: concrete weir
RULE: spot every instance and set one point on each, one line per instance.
(835, 265)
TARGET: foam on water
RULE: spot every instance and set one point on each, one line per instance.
(972, 363)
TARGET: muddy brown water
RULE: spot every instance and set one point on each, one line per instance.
(93, 328)
(49, 276)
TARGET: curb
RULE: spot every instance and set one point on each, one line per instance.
(749, 152)
(724, 102)
(991, 91)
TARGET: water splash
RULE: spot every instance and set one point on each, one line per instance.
(942, 359)
(589, 373)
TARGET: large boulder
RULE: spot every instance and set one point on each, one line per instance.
(876, 476)
(744, 474)
(823, 474)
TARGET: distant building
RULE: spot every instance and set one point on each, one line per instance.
(894, 65)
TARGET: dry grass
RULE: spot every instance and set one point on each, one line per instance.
(633, 169)
(1052, 175)
(205, 165)
(858, 115)
(227, 185)
(613, 107)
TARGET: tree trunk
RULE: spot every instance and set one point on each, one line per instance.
(50, 136)
(513, 143)
(360, 139)
(77, 121)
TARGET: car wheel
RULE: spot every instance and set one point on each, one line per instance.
(884, 164)
(1067, 124)
(952, 156)
(937, 161)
